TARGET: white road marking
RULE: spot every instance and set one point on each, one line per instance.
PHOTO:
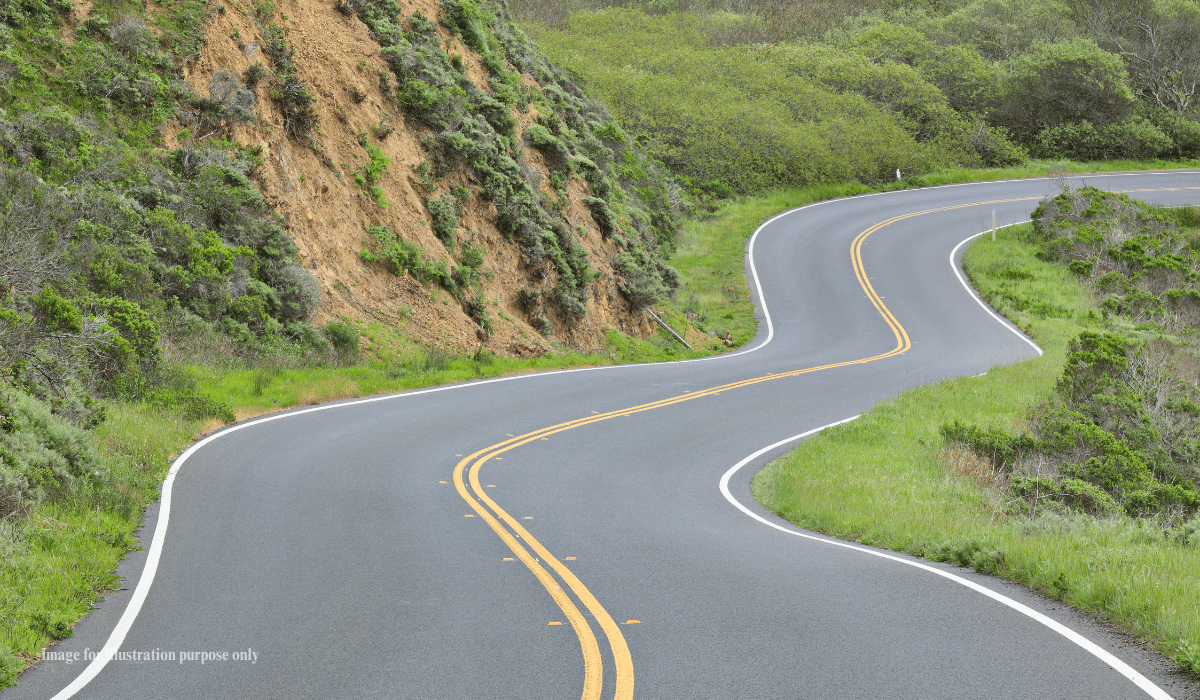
(958, 273)
(1120, 666)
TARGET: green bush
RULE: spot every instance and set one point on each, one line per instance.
(443, 215)
(40, 453)
(1068, 82)
(343, 336)
(1136, 139)
(602, 214)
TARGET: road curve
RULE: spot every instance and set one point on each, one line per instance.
(563, 535)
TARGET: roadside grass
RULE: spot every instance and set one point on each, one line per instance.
(888, 479)
(66, 550)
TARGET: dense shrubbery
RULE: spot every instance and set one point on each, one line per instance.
(765, 98)
(475, 128)
(1123, 435)
(110, 248)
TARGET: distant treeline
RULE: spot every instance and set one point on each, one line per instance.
(778, 94)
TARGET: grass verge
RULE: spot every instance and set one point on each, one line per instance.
(890, 480)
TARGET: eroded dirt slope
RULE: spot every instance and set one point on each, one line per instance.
(328, 215)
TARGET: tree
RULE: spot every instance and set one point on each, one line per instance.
(1064, 83)
(1158, 41)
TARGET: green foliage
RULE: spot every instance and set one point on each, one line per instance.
(1136, 138)
(370, 174)
(753, 118)
(40, 453)
(55, 313)
(295, 99)
(602, 214)
(443, 215)
(9, 667)
(405, 256)
(1122, 435)
(477, 129)
(527, 300)
(644, 282)
(342, 336)
(557, 155)
(255, 73)
(1064, 83)
(1136, 256)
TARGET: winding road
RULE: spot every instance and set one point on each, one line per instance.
(584, 533)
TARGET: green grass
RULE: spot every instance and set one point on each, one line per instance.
(888, 479)
(66, 550)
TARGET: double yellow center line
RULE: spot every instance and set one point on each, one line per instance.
(534, 554)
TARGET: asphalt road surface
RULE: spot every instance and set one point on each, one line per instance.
(565, 535)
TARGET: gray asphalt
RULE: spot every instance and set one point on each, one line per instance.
(325, 544)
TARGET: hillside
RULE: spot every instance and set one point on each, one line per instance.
(356, 102)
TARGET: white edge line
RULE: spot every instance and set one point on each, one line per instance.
(1086, 644)
(160, 531)
(958, 273)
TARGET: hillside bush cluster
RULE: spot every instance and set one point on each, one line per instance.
(1122, 435)
(748, 96)
(112, 247)
(476, 129)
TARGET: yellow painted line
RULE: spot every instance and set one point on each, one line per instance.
(549, 624)
(458, 455)
(491, 486)
(593, 667)
(570, 558)
(633, 622)
(507, 559)
(441, 482)
(469, 515)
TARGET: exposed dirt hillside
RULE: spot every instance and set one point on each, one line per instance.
(328, 215)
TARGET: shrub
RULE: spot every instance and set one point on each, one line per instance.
(294, 98)
(601, 213)
(557, 155)
(641, 283)
(1064, 83)
(1135, 138)
(228, 101)
(443, 213)
(370, 174)
(255, 73)
(129, 34)
(527, 300)
(343, 337)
